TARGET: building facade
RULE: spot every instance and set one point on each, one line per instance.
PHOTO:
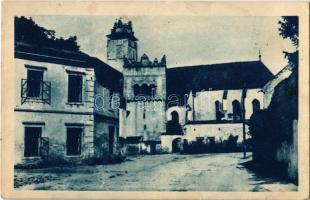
(209, 102)
(216, 101)
(55, 110)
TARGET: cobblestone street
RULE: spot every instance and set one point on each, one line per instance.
(169, 172)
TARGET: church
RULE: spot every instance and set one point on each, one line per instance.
(165, 106)
(72, 107)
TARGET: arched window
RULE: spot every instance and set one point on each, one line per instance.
(145, 89)
(217, 110)
(173, 125)
(136, 89)
(255, 105)
(236, 110)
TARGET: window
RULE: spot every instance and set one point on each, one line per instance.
(255, 105)
(32, 141)
(75, 85)
(218, 110)
(236, 110)
(34, 83)
(74, 140)
(136, 89)
(33, 88)
(145, 90)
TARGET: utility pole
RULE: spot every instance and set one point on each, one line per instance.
(243, 122)
(194, 95)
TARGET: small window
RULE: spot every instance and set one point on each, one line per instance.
(74, 141)
(32, 141)
(75, 85)
(34, 83)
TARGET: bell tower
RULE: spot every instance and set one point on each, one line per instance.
(121, 44)
(145, 93)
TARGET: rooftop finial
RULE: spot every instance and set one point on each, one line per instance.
(259, 55)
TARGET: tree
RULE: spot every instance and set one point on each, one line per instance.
(27, 31)
(289, 30)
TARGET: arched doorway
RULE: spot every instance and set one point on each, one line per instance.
(177, 145)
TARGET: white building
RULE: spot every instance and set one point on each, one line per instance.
(56, 119)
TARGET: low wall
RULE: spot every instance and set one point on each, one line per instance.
(219, 131)
(166, 142)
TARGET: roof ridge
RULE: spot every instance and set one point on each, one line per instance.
(212, 64)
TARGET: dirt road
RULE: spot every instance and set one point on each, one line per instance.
(169, 172)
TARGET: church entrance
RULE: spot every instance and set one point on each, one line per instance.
(176, 145)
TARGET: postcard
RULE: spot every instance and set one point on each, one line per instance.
(155, 100)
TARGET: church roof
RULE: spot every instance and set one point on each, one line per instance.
(224, 76)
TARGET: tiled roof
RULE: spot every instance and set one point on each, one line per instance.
(105, 74)
(224, 76)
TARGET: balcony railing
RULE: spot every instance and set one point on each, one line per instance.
(35, 91)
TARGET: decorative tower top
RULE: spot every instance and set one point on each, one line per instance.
(122, 30)
(122, 44)
(146, 62)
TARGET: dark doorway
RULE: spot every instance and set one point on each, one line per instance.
(111, 139)
(74, 141)
(153, 148)
(176, 145)
(32, 137)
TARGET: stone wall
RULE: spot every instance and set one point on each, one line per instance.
(220, 131)
(287, 153)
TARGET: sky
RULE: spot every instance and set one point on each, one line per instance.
(185, 40)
